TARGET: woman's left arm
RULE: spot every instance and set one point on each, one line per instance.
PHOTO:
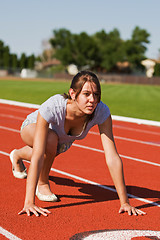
(115, 166)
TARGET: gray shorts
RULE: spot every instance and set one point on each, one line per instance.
(60, 148)
(26, 122)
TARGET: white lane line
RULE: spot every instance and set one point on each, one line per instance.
(138, 141)
(140, 160)
(114, 125)
(123, 156)
(4, 153)
(94, 183)
(11, 116)
(8, 234)
(21, 104)
(96, 150)
(118, 234)
(136, 130)
(9, 129)
(14, 103)
(129, 139)
(114, 117)
(21, 110)
(136, 120)
(96, 133)
(148, 122)
(102, 186)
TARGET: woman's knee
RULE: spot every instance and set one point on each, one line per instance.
(28, 133)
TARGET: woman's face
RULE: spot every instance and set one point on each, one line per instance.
(88, 98)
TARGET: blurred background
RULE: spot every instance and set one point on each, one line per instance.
(119, 40)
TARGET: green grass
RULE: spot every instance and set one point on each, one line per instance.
(31, 91)
(138, 101)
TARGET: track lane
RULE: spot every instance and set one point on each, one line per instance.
(82, 207)
(101, 165)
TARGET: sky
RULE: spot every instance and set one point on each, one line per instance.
(26, 24)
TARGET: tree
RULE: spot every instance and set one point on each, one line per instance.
(22, 61)
(11, 61)
(62, 43)
(101, 50)
(135, 48)
(14, 61)
(79, 49)
(110, 48)
(6, 57)
(1, 53)
(30, 61)
(84, 51)
(157, 70)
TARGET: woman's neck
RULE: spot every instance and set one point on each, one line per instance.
(72, 111)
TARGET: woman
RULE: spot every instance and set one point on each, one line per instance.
(52, 129)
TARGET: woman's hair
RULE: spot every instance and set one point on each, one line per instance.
(80, 79)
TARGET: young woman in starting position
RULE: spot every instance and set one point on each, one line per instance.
(53, 128)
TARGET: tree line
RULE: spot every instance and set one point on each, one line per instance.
(11, 62)
(102, 50)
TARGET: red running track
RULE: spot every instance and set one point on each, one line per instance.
(88, 206)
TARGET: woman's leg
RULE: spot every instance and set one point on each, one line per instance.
(19, 155)
(27, 135)
(51, 151)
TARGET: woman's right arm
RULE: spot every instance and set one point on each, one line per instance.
(39, 145)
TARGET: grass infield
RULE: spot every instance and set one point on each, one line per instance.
(137, 101)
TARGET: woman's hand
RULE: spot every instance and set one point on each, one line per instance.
(31, 208)
(126, 207)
